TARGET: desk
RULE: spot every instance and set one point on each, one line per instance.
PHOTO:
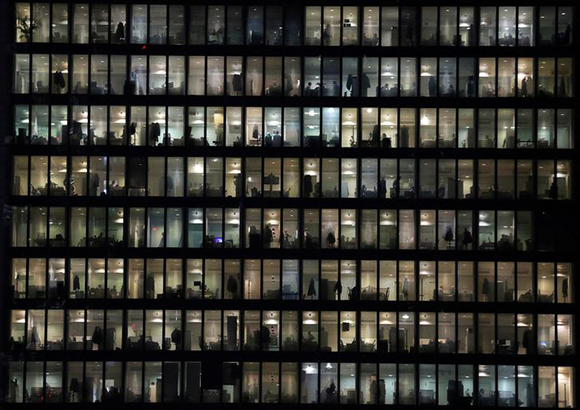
(447, 143)
(74, 345)
(57, 191)
(311, 141)
(36, 291)
(369, 194)
(196, 142)
(427, 397)
(59, 345)
(446, 296)
(368, 293)
(465, 297)
(428, 348)
(308, 345)
(272, 294)
(330, 194)
(57, 243)
(272, 194)
(157, 91)
(487, 246)
(96, 293)
(367, 347)
(136, 191)
(117, 191)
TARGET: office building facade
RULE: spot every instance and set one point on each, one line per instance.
(249, 203)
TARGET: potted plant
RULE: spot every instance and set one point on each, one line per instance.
(26, 26)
